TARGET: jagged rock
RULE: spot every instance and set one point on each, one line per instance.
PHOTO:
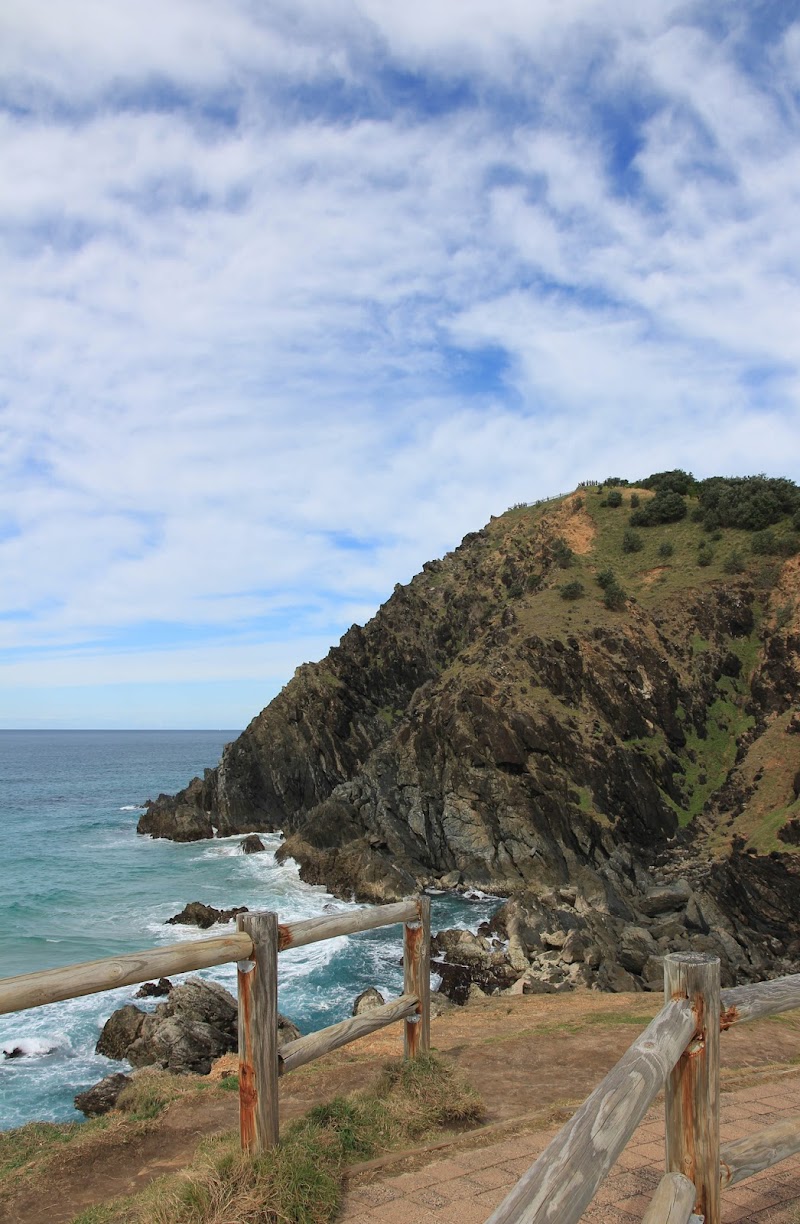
(459, 736)
(450, 880)
(120, 1031)
(617, 980)
(154, 990)
(695, 918)
(666, 898)
(196, 913)
(368, 999)
(102, 1097)
(462, 946)
(287, 1030)
(252, 844)
(197, 1024)
(635, 949)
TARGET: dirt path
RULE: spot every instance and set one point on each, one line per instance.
(530, 1055)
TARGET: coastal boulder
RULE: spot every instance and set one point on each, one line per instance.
(197, 913)
(368, 999)
(196, 1025)
(102, 1097)
(252, 844)
(120, 1031)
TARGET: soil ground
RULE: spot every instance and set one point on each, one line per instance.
(533, 1059)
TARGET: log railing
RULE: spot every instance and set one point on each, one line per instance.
(254, 947)
(678, 1051)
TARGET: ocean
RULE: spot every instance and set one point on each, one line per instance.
(79, 883)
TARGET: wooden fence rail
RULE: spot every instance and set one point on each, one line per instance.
(255, 947)
(679, 1050)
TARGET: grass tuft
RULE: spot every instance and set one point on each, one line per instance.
(300, 1181)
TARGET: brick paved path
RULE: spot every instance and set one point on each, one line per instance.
(466, 1186)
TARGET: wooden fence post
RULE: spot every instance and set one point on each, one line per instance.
(258, 1034)
(692, 1088)
(417, 979)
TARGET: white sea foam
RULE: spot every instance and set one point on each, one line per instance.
(132, 807)
(29, 1047)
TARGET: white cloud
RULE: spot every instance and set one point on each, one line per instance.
(267, 299)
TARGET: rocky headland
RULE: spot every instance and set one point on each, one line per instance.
(589, 707)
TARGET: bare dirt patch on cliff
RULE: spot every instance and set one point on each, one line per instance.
(531, 1058)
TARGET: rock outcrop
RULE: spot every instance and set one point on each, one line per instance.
(197, 913)
(103, 1096)
(481, 731)
(196, 1025)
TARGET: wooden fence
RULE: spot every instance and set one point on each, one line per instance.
(678, 1051)
(255, 947)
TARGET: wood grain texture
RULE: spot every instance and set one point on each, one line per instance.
(741, 1003)
(417, 979)
(328, 926)
(559, 1186)
(673, 1201)
(314, 1045)
(744, 1157)
(692, 1090)
(53, 985)
(257, 981)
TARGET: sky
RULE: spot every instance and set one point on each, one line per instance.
(295, 293)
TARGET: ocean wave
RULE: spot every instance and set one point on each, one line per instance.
(132, 807)
(29, 1047)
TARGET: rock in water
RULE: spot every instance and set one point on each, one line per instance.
(196, 1025)
(154, 990)
(120, 1031)
(198, 914)
(252, 844)
(102, 1097)
(368, 999)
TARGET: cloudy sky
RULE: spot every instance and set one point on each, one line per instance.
(297, 292)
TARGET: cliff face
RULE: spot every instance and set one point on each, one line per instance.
(486, 728)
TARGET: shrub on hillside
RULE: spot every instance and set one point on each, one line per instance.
(705, 555)
(631, 542)
(606, 578)
(614, 597)
(665, 548)
(635, 500)
(749, 502)
(571, 590)
(676, 481)
(734, 564)
(562, 553)
(666, 507)
(613, 499)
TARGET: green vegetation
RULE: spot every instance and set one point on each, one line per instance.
(614, 597)
(631, 542)
(572, 590)
(562, 553)
(676, 481)
(613, 499)
(300, 1181)
(665, 507)
(748, 502)
(666, 548)
(606, 578)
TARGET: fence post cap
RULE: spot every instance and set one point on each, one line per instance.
(691, 958)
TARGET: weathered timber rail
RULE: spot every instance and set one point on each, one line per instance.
(255, 947)
(679, 1052)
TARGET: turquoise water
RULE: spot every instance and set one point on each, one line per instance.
(78, 883)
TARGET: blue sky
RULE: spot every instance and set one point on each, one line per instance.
(294, 294)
